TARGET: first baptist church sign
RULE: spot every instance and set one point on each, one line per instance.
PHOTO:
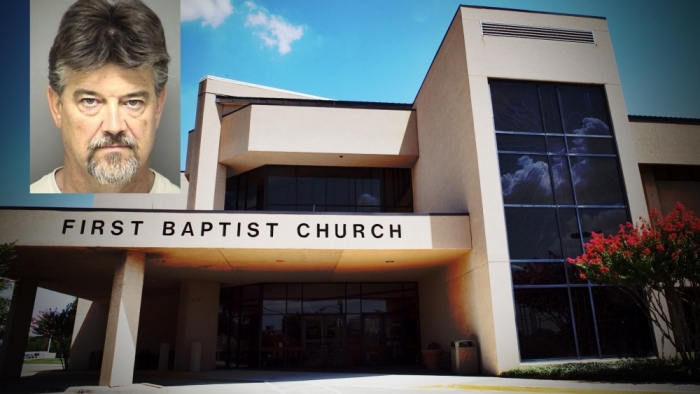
(226, 229)
(260, 230)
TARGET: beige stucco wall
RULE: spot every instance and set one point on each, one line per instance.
(197, 319)
(88, 333)
(229, 87)
(265, 134)
(158, 323)
(663, 143)
(670, 192)
(458, 171)
(544, 60)
(672, 144)
(207, 177)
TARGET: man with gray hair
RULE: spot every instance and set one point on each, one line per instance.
(108, 68)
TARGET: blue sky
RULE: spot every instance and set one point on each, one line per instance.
(381, 50)
(358, 50)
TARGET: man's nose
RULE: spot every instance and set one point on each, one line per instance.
(113, 121)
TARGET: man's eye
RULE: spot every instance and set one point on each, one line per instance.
(134, 103)
(89, 102)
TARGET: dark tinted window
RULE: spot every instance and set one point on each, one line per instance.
(561, 182)
(516, 106)
(321, 189)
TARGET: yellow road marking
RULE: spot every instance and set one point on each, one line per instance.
(524, 389)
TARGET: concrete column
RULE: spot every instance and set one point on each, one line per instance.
(123, 321)
(207, 175)
(650, 191)
(197, 323)
(19, 319)
(88, 333)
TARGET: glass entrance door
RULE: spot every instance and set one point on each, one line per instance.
(324, 340)
(383, 340)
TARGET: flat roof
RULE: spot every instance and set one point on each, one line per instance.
(222, 99)
(662, 119)
(530, 11)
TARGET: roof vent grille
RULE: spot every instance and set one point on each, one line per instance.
(537, 33)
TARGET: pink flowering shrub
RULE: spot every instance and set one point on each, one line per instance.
(658, 264)
(59, 327)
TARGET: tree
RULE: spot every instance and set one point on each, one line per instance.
(658, 264)
(59, 327)
(7, 254)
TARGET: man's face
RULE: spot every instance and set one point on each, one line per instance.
(108, 120)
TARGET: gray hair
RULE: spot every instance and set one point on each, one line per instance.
(94, 33)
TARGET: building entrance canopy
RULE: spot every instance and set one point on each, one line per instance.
(76, 250)
(178, 229)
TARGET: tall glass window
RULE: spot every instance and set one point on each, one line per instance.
(318, 325)
(561, 180)
(321, 189)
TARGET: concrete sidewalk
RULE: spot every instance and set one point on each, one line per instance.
(282, 382)
(31, 369)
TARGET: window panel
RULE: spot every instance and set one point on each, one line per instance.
(281, 185)
(367, 191)
(563, 193)
(255, 194)
(274, 307)
(606, 221)
(525, 179)
(324, 306)
(556, 145)
(597, 180)
(242, 191)
(584, 109)
(569, 233)
(340, 191)
(293, 306)
(538, 273)
(321, 189)
(311, 191)
(597, 146)
(550, 109)
(353, 305)
(623, 328)
(516, 106)
(230, 200)
(533, 233)
(521, 143)
(583, 316)
(275, 290)
(273, 331)
(324, 290)
(544, 323)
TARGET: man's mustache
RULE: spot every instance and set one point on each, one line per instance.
(113, 140)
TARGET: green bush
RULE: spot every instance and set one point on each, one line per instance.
(632, 370)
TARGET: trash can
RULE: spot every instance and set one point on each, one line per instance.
(464, 361)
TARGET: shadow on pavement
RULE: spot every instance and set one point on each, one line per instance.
(59, 380)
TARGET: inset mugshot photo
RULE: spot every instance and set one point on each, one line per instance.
(104, 96)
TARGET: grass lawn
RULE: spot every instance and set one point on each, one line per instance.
(44, 361)
(632, 370)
